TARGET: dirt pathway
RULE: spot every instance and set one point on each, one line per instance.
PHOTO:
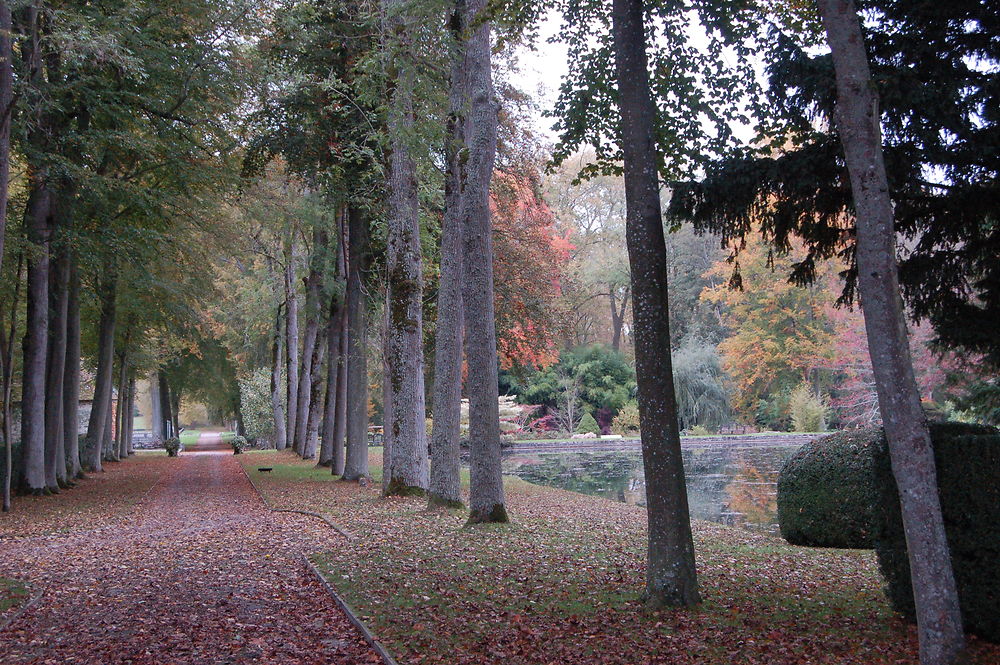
(202, 574)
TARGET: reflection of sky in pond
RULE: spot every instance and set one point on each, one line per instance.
(727, 484)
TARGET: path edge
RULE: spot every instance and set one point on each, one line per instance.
(267, 505)
(366, 633)
(21, 611)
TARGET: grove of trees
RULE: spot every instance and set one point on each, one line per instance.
(311, 216)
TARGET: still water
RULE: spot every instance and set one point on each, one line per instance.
(730, 484)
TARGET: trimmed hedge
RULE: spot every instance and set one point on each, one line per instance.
(826, 496)
(968, 474)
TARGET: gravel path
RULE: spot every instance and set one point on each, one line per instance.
(202, 573)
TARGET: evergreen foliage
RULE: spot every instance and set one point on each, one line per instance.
(826, 492)
(968, 478)
(588, 425)
(936, 73)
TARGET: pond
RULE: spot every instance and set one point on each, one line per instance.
(728, 483)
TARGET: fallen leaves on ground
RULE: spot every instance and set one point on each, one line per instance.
(196, 570)
(561, 584)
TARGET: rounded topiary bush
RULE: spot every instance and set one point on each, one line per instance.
(968, 474)
(826, 494)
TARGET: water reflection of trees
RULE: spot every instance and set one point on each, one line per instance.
(728, 485)
(611, 475)
(752, 496)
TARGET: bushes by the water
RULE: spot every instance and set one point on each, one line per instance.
(588, 425)
(826, 493)
(968, 475)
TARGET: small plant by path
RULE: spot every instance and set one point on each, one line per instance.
(561, 584)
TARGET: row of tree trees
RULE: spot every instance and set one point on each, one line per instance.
(367, 138)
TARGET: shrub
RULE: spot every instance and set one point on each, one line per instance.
(626, 422)
(826, 491)
(807, 410)
(968, 475)
(239, 444)
(699, 430)
(588, 425)
(255, 404)
(172, 446)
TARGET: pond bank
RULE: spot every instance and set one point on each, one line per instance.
(742, 440)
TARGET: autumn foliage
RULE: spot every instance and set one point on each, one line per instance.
(529, 255)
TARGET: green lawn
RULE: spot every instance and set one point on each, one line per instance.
(12, 593)
(189, 437)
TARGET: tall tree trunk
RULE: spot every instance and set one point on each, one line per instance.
(445, 482)
(71, 374)
(277, 405)
(486, 497)
(156, 429)
(408, 472)
(129, 420)
(335, 353)
(617, 318)
(671, 579)
(6, 115)
(340, 420)
(165, 418)
(313, 314)
(110, 431)
(94, 452)
(34, 346)
(291, 339)
(55, 435)
(6, 382)
(175, 410)
(315, 416)
(121, 413)
(939, 619)
(356, 462)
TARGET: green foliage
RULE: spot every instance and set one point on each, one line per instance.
(699, 430)
(172, 446)
(826, 492)
(807, 410)
(255, 404)
(239, 444)
(695, 89)
(626, 422)
(588, 425)
(934, 77)
(702, 397)
(605, 378)
(968, 476)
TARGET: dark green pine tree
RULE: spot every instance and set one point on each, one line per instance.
(935, 68)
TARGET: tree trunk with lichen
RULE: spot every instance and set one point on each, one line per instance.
(359, 259)
(291, 338)
(55, 440)
(408, 467)
(313, 316)
(71, 376)
(939, 618)
(445, 482)
(93, 453)
(486, 496)
(671, 578)
(277, 403)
